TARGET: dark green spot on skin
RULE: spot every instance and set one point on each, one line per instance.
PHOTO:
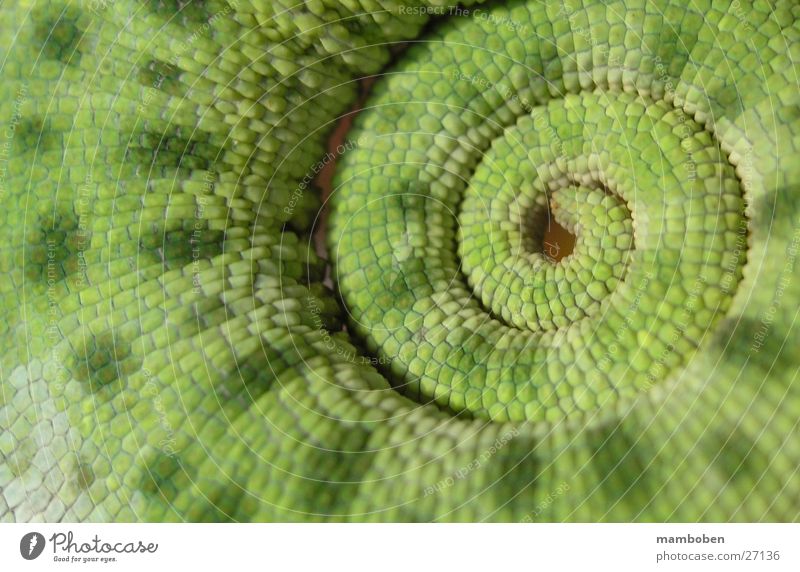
(679, 35)
(84, 475)
(222, 502)
(60, 35)
(620, 461)
(36, 134)
(176, 248)
(518, 467)
(161, 474)
(54, 251)
(739, 458)
(19, 460)
(171, 148)
(103, 360)
(162, 76)
(188, 11)
(778, 211)
(759, 346)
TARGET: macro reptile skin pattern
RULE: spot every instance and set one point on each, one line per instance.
(176, 343)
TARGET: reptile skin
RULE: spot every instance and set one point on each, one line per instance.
(176, 344)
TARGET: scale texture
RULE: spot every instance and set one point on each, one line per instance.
(177, 345)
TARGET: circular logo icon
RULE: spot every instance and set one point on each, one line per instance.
(31, 545)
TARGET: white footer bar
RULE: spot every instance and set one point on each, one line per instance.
(401, 547)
